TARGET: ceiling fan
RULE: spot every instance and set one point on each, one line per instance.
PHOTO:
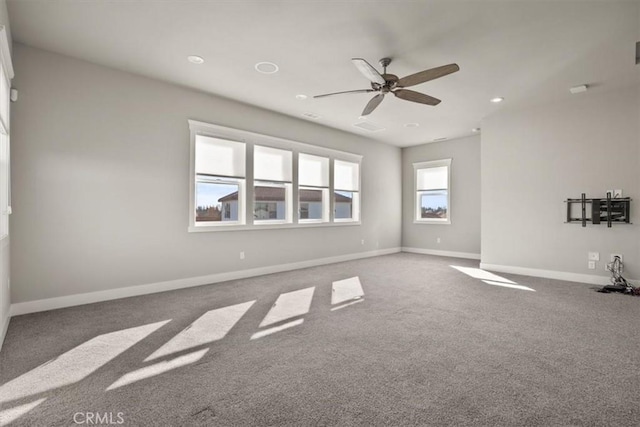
(390, 83)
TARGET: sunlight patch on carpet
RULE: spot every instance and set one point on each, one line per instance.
(478, 273)
(77, 363)
(276, 329)
(288, 305)
(211, 326)
(490, 278)
(508, 285)
(158, 368)
(346, 290)
(338, 307)
(10, 415)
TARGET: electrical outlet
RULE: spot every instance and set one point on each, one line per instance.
(594, 256)
(241, 254)
(592, 265)
(617, 194)
(613, 256)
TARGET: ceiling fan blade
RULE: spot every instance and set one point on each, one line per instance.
(410, 95)
(426, 75)
(346, 91)
(368, 71)
(373, 104)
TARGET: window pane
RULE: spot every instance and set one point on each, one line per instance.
(4, 97)
(219, 157)
(313, 171)
(271, 164)
(270, 203)
(216, 201)
(345, 175)
(343, 204)
(311, 204)
(433, 204)
(4, 185)
(433, 178)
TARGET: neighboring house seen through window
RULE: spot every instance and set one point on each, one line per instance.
(433, 198)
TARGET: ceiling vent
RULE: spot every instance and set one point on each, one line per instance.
(368, 126)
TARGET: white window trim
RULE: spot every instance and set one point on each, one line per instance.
(7, 65)
(416, 195)
(251, 139)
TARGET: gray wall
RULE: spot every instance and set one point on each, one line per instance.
(101, 183)
(463, 234)
(532, 160)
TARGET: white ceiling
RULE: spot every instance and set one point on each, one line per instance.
(529, 52)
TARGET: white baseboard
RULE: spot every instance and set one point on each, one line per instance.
(467, 255)
(150, 288)
(552, 274)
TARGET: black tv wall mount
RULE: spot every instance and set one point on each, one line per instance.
(609, 209)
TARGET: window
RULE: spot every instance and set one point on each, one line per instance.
(246, 181)
(6, 74)
(346, 181)
(272, 185)
(433, 201)
(219, 183)
(313, 192)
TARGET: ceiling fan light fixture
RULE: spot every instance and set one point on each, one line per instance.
(266, 67)
(195, 59)
(497, 99)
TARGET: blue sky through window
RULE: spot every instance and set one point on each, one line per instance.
(207, 193)
(434, 200)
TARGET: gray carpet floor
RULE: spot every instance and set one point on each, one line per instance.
(426, 345)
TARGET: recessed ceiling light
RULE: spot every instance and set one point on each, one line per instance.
(195, 59)
(497, 99)
(440, 139)
(411, 125)
(475, 130)
(301, 96)
(266, 67)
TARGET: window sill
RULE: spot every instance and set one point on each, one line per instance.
(431, 222)
(217, 228)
